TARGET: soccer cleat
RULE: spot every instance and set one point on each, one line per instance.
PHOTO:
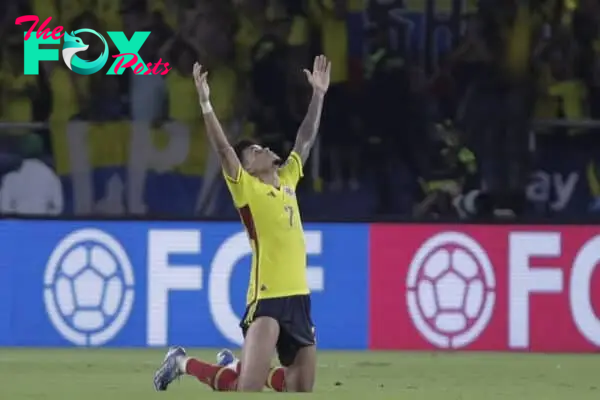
(226, 358)
(169, 370)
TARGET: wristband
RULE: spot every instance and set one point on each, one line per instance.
(206, 107)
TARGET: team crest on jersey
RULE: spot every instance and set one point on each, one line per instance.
(289, 191)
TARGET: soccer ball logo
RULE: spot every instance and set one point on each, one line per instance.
(450, 290)
(88, 287)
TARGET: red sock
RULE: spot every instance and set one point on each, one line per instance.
(276, 379)
(226, 380)
(217, 377)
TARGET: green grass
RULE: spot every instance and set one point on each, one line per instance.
(101, 374)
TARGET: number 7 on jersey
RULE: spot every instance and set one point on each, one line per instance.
(290, 211)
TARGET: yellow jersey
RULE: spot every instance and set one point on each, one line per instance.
(16, 107)
(183, 98)
(573, 94)
(109, 12)
(272, 220)
(248, 34)
(334, 38)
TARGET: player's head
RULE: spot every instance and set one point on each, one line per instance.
(254, 158)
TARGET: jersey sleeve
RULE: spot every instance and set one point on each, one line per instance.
(291, 171)
(239, 187)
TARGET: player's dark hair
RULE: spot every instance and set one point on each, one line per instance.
(242, 145)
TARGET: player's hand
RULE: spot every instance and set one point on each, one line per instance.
(201, 83)
(319, 77)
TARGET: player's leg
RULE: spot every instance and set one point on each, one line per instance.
(300, 375)
(261, 334)
(275, 379)
(258, 349)
(297, 348)
(177, 363)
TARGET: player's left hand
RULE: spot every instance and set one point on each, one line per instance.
(319, 77)
(200, 79)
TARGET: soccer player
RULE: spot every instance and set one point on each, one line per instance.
(278, 312)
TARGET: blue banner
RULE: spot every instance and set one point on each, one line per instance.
(136, 284)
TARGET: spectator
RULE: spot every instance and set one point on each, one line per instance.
(269, 85)
(167, 9)
(183, 98)
(48, 8)
(569, 90)
(148, 92)
(33, 189)
(386, 77)
(298, 51)
(471, 58)
(70, 93)
(341, 148)
(251, 19)
(109, 13)
(217, 58)
(451, 172)
(107, 104)
(70, 12)
(18, 91)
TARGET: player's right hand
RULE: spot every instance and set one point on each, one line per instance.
(201, 83)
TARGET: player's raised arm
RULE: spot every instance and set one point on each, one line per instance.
(319, 80)
(214, 131)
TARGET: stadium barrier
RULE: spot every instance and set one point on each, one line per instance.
(485, 287)
(375, 286)
(88, 283)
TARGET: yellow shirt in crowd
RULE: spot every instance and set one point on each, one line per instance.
(184, 107)
(248, 34)
(166, 8)
(16, 108)
(546, 106)
(334, 37)
(45, 9)
(573, 94)
(109, 13)
(183, 98)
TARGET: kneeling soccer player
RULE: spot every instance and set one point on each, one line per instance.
(278, 312)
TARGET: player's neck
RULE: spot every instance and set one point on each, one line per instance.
(269, 178)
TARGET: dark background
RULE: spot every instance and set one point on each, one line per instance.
(437, 109)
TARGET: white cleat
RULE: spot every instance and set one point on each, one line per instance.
(169, 370)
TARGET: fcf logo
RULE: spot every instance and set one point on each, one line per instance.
(128, 50)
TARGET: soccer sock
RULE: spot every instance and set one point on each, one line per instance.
(219, 378)
(276, 379)
(225, 380)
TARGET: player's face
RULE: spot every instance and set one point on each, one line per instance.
(260, 159)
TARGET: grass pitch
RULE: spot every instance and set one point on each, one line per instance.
(101, 374)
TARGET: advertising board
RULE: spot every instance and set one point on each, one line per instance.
(477, 287)
(377, 286)
(137, 284)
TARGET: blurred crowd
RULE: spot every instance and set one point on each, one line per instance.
(431, 103)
